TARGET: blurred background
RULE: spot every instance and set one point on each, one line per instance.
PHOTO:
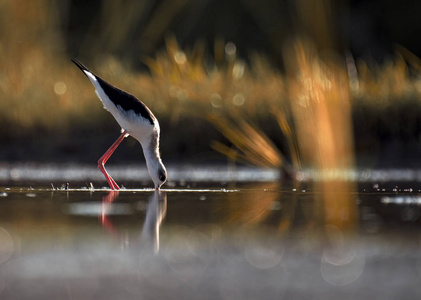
(282, 84)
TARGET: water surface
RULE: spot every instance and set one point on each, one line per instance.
(266, 240)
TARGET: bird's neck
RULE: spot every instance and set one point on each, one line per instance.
(150, 148)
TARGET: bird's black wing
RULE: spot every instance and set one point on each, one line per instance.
(126, 101)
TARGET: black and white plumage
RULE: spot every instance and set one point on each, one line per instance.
(135, 119)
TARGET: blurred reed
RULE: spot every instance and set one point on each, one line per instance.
(37, 90)
(231, 95)
(319, 89)
(312, 105)
(321, 106)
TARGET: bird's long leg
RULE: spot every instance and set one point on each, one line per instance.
(106, 156)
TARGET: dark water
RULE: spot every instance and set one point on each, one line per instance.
(212, 241)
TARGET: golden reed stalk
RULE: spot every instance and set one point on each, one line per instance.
(321, 107)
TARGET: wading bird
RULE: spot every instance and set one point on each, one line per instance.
(135, 119)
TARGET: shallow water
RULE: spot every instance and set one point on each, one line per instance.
(211, 241)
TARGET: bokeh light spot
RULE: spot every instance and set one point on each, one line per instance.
(180, 57)
(216, 100)
(230, 51)
(60, 88)
(238, 99)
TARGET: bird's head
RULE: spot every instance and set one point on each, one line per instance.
(159, 176)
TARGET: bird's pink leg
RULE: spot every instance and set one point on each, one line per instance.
(106, 156)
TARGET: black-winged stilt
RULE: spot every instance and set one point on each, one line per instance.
(135, 119)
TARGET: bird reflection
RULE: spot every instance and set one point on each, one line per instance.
(155, 213)
(107, 201)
